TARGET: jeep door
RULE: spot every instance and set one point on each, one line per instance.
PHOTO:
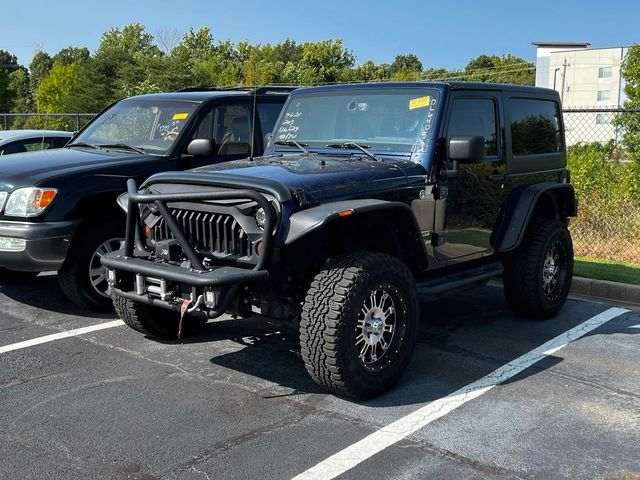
(474, 196)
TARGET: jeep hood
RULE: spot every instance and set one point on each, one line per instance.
(35, 168)
(320, 177)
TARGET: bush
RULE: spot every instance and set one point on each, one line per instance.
(608, 191)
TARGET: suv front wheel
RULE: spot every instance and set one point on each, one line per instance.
(537, 276)
(83, 278)
(358, 324)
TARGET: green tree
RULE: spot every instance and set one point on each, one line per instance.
(19, 90)
(406, 67)
(630, 121)
(38, 69)
(500, 69)
(8, 65)
(57, 93)
(70, 55)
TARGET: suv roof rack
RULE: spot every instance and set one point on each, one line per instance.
(279, 89)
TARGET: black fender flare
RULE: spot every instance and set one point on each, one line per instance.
(522, 206)
(316, 218)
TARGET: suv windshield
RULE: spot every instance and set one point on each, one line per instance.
(389, 119)
(144, 124)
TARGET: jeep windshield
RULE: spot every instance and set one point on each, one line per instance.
(138, 125)
(385, 119)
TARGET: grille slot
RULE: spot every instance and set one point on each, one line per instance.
(215, 233)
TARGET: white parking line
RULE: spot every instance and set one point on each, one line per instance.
(58, 336)
(376, 442)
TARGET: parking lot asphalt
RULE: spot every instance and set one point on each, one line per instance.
(236, 402)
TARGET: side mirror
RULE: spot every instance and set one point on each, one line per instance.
(201, 147)
(467, 149)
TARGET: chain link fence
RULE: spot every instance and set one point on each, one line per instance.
(46, 121)
(607, 183)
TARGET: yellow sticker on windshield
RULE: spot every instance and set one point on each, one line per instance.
(180, 116)
(419, 102)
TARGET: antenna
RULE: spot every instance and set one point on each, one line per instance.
(253, 116)
(44, 132)
(253, 120)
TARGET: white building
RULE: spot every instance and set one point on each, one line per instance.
(587, 79)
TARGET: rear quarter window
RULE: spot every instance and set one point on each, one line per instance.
(535, 126)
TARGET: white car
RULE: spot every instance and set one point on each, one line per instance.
(20, 141)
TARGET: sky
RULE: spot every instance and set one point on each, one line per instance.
(442, 34)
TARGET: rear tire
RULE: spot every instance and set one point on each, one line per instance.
(82, 278)
(13, 277)
(358, 324)
(153, 321)
(537, 276)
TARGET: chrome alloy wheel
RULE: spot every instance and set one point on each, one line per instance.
(97, 271)
(554, 269)
(380, 327)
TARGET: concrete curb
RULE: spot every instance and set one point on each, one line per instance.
(605, 290)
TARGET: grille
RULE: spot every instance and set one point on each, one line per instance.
(208, 232)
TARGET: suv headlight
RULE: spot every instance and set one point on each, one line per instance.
(29, 202)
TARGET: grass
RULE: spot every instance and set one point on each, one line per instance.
(613, 271)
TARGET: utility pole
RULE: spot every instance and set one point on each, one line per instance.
(564, 75)
(555, 74)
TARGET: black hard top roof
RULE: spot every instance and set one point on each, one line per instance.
(438, 85)
(206, 93)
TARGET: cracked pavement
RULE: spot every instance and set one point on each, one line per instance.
(236, 402)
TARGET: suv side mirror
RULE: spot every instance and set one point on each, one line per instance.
(467, 149)
(202, 147)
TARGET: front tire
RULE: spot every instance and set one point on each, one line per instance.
(82, 278)
(537, 276)
(358, 324)
(153, 321)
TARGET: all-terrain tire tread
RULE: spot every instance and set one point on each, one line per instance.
(331, 293)
(522, 270)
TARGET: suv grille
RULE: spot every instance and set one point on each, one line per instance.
(208, 232)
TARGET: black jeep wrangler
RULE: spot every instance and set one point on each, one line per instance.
(58, 207)
(368, 197)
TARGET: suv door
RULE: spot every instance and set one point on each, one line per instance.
(475, 196)
(229, 126)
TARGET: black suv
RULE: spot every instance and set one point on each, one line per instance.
(58, 208)
(368, 197)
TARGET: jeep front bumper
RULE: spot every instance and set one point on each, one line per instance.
(135, 273)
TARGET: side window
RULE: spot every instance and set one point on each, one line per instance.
(58, 142)
(29, 145)
(477, 117)
(535, 126)
(268, 114)
(229, 126)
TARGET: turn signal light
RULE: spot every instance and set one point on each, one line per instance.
(42, 199)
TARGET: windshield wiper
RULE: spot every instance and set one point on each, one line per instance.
(362, 148)
(82, 144)
(293, 143)
(123, 146)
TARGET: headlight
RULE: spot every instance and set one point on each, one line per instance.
(29, 202)
(3, 198)
(261, 218)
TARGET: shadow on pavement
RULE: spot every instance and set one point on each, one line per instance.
(461, 339)
(44, 293)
